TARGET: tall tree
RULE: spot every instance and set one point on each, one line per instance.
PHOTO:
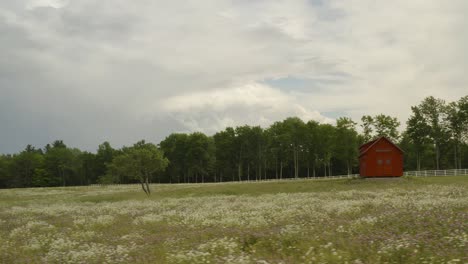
(386, 126)
(463, 112)
(105, 153)
(346, 144)
(367, 127)
(5, 175)
(60, 163)
(175, 147)
(200, 156)
(242, 150)
(295, 139)
(88, 169)
(257, 143)
(433, 111)
(225, 152)
(418, 132)
(24, 165)
(380, 125)
(276, 148)
(457, 123)
(312, 138)
(326, 146)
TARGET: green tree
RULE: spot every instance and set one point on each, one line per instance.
(242, 150)
(311, 149)
(175, 147)
(24, 165)
(88, 171)
(417, 131)
(434, 113)
(200, 156)
(276, 147)
(380, 126)
(5, 176)
(326, 146)
(346, 143)
(463, 112)
(61, 163)
(225, 142)
(367, 127)
(386, 126)
(295, 140)
(457, 123)
(257, 143)
(142, 162)
(104, 155)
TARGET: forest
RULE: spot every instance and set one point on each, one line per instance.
(435, 137)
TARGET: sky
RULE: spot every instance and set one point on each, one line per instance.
(88, 71)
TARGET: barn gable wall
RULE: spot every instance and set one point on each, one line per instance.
(382, 158)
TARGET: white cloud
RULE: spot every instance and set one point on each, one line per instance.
(46, 3)
(252, 103)
(128, 69)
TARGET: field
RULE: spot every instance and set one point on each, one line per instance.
(408, 220)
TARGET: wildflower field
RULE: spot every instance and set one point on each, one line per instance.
(407, 220)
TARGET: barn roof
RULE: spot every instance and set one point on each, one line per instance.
(365, 147)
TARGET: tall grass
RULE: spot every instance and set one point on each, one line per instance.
(406, 220)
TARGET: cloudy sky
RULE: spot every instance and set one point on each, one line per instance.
(87, 71)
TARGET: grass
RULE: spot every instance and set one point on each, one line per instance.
(405, 220)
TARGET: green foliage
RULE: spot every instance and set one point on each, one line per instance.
(380, 126)
(200, 156)
(63, 163)
(141, 162)
(225, 154)
(107, 179)
(346, 142)
(436, 136)
(457, 122)
(175, 149)
(25, 164)
(367, 126)
(5, 162)
(104, 155)
(41, 178)
(417, 131)
(326, 147)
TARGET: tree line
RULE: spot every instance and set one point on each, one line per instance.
(436, 137)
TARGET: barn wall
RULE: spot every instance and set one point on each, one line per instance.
(383, 159)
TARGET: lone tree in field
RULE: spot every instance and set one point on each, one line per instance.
(142, 161)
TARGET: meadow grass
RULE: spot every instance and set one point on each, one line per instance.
(405, 220)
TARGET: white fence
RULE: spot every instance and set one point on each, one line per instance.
(425, 173)
(437, 173)
(300, 178)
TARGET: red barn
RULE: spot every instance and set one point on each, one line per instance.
(380, 158)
